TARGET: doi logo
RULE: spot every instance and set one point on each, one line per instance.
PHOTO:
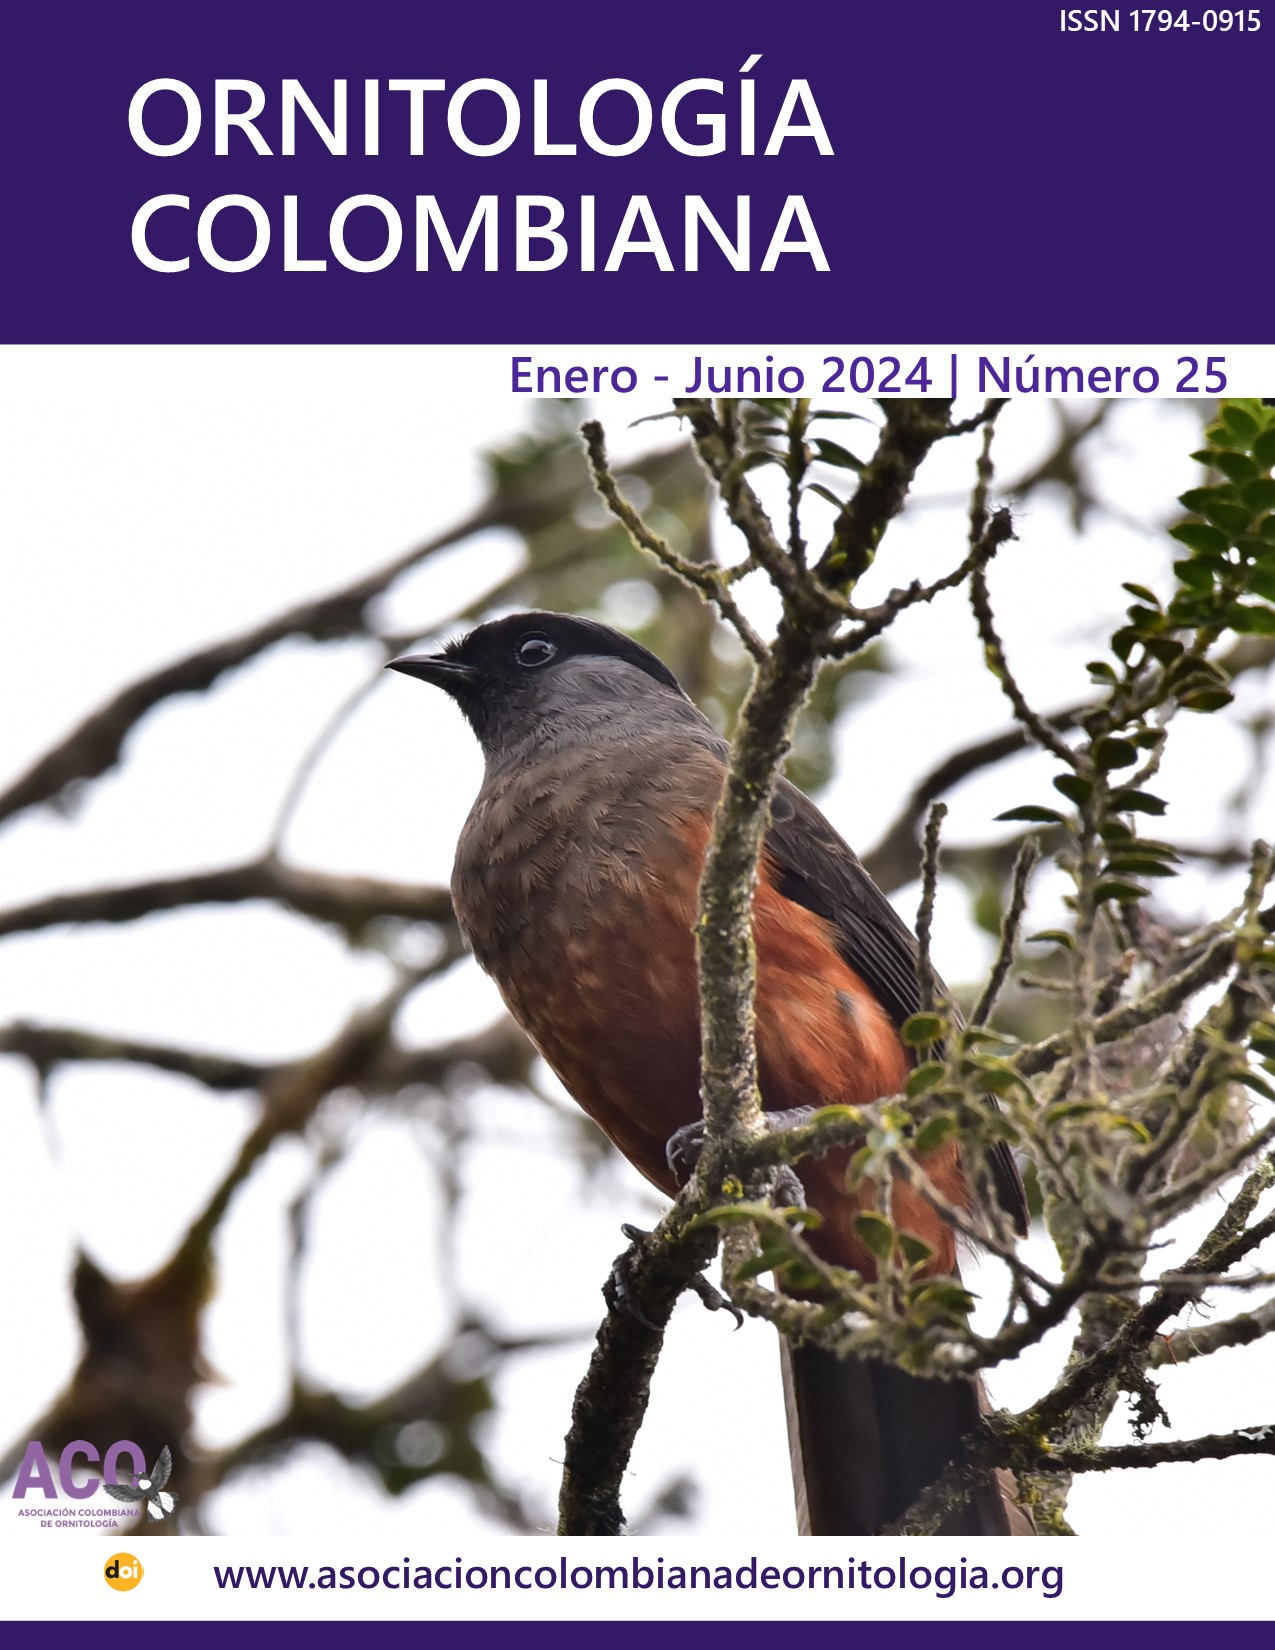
(123, 1572)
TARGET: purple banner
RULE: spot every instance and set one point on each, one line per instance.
(989, 170)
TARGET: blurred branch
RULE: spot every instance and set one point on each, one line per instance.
(524, 504)
(47, 1047)
(1061, 466)
(349, 902)
(895, 860)
(501, 1051)
(423, 1428)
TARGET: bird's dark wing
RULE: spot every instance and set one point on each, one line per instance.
(819, 870)
(815, 868)
(124, 1492)
(162, 1469)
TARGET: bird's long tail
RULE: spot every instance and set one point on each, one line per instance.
(867, 1438)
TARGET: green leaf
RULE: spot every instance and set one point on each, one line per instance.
(1125, 801)
(1251, 1080)
(1074, 788)
(1251, 621)
(860, 1165)
(1125, 892)
(947, 1295)
(836, 1114)
(1260, 494)
(1197, 535)
(824, 493)
(996, 1075)
(1142, 593)
(1236, 467)
(1232, 518)
(1123, 642)
(1195, 575)
(771, 1258)
(1067, 1111)
(749, 461)
(1100, 670)
(877, 1234)
(1206, 699)
(924, 1078)
(1261, 582)
(831, 452)
(1032, 815)
(920, 1029)
(1148, 847)
(1114, 753)
(1053, 936)
(1239, 422)
(1164, 648)
(915, 1250)
(1199, 672)
(933, 1133)
(1138, 865)
(1263, 449)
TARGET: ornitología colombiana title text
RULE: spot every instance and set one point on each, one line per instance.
(482, 118)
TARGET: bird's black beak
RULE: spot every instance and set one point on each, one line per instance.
(449, 674)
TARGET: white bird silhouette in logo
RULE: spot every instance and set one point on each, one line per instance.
(159, 1503)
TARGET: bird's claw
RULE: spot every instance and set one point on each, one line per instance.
(714, 1300)
(682, 1151)
(617, 1290)
(787, 1191)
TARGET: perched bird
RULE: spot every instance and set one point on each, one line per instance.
(576, 884)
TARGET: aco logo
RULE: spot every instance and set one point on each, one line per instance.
(123, 1572)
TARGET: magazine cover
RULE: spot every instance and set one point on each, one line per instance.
(637, 889)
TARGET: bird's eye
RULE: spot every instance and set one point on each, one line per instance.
(534, 651)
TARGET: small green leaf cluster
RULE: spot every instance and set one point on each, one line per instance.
(777, 432)
(1227, 580)
(1162, 663)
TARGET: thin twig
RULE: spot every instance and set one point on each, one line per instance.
(1025, 864)
(994, 651)
(703, 577)
(926, 979)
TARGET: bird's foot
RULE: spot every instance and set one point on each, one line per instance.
(786, 1187)
(619, 1295)
(687, 1143)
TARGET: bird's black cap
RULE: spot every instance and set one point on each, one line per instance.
(507, 649)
